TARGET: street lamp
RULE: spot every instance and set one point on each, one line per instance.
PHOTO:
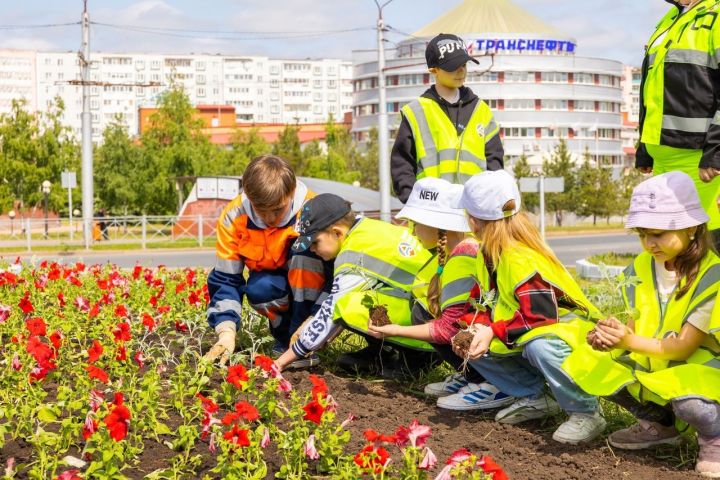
(11, 214)
(76, 213)
(46, 191)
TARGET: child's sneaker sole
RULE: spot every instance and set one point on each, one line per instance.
(307, 362)
(643, 445)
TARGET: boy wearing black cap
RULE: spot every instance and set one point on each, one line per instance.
(374, 261)
(448, 132)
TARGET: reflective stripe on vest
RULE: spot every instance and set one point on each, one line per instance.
(688, 40)
(383, 251)
(440, 151)
(651, 378)
(519, 263)
(351, 312)
(422, 282)
(457, 280)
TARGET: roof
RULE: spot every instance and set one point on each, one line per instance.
(270, 132)
(486, 16)
(362, 199)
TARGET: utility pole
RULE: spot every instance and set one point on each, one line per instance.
(384, 155)
(88, 194)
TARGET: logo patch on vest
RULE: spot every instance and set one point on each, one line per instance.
(480, 129)
(406, 249)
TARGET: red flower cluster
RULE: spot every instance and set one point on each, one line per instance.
(237, 436)
(372, 459)
(118, 419)
(314, 411)
(320, 388)
(237, 375)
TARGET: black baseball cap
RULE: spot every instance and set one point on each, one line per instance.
(447, 52)
(317, 214)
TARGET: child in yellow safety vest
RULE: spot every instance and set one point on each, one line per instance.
(665, 361)
(375, 264)
(442, 304)
(537, 318)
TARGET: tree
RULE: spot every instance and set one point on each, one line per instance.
(594, 193)
(367, 162)
(118, 163)
(522, 169)
(174, 146)
(287, 146)
(560, 164)
(35, 147)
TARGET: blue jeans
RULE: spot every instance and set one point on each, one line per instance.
(525, 375)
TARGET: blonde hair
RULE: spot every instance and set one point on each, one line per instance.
(267, 181)
(434, 290)
(496, 235)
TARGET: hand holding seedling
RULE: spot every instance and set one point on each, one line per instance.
(381, 331)
(608, 334)
(480, 343)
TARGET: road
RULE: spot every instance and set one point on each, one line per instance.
(568, 249)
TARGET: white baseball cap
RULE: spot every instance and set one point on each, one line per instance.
(486, 193)
(431, 203)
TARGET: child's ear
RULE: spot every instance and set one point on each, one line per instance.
(433, 70)
(338, 231)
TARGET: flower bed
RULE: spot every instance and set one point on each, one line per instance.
(101, 378)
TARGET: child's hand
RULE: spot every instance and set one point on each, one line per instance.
(481, 342)
(593, 340)
(610, 333)
(381, 332)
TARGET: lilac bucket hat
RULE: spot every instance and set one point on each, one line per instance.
(666, 202)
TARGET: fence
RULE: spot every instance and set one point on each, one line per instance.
(109, 232)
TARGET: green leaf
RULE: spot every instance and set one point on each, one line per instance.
(47, 415)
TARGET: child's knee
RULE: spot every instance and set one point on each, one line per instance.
(697, 411)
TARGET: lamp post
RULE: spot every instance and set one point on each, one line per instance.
(76, 212)
(46, 191)
(383, 147)
(11, 214)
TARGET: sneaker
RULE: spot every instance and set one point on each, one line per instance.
(580, 428)
(278, 349)
(644, 434)
(311, 360)
(528, 408)
(708, 462)
(475, 396)
(452, 384)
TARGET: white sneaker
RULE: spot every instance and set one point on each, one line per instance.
(452, 384)
(475, 396)
(528, 408)
(580, 428)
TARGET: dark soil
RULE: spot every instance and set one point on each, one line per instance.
(462, 341)
(379, 316)
(525, 452)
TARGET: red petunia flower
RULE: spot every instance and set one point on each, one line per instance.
(56, 339)
(40, 351)
(247, 411)
(237, 436)
(163, 309)
(208, 404)
(139, 358)
(314, 411)
(371, 459)
(95, 351)
(489, 466)
(72, 474)
(121, 311)
(137, 270)
(237, 374)
(122, 332)
(320, 388)
(25, 304)
(36, 326)
(148, 321)
(118, 419)
(97, 372)
(121, 354)
(267, 365)
(94, 311)
(416, 434)
(377, 438)
(181, 327)
(61, 299)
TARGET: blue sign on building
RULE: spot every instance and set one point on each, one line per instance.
(522, 44)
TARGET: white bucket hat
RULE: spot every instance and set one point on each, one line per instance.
(432, 203)
(486, 193)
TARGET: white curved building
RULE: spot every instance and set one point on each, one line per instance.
(529, 74)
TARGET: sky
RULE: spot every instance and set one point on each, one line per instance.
(614, 29)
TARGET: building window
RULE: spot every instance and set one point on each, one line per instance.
(317, 70)
(201, 92)
(554, 104)
(584, 106)
(201, 79)
(520, 104)
(583, 78)
(317, 97)
(519, 77)
(554, 77)
(519, 132)
(274, 70)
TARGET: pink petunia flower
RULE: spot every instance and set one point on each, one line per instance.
(310, 450)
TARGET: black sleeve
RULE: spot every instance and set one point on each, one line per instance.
(642, 157)
(495, 153)
(403, 162)
(711, 149)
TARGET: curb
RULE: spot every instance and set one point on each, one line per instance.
(592, 271)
